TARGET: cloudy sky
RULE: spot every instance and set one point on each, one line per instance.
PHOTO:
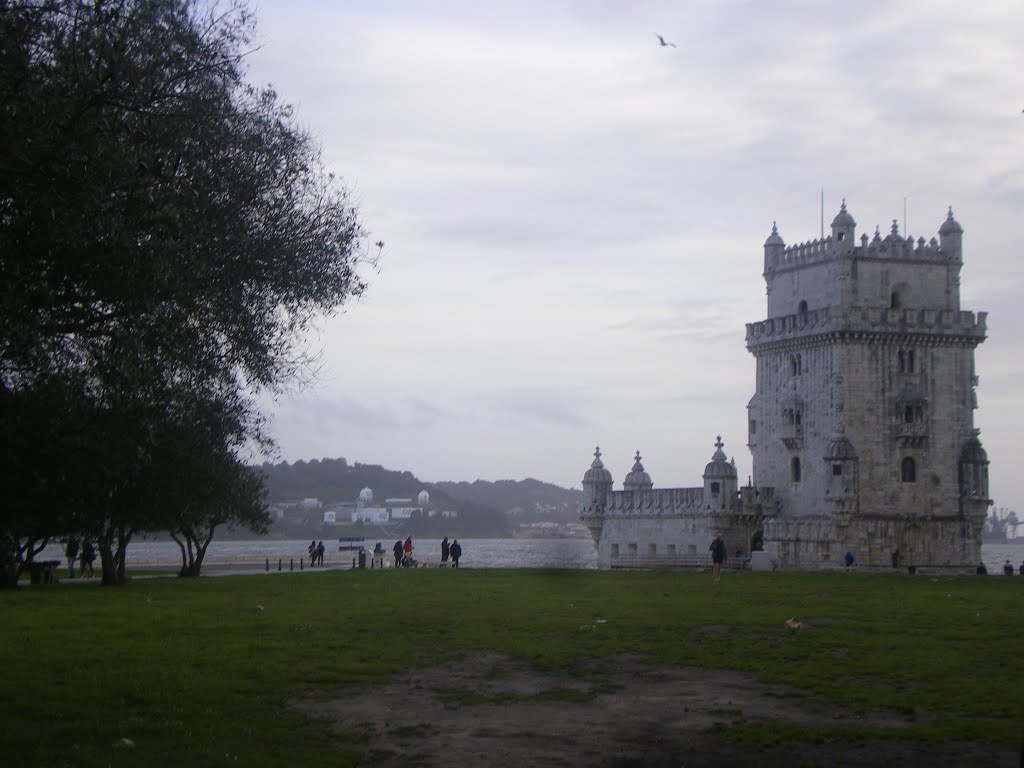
(574, 215)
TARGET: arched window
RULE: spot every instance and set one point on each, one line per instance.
(910, 361)
(908, 470)
(802, 309)
(794, 467)
(894, 300)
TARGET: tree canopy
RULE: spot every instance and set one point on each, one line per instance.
(167, 233)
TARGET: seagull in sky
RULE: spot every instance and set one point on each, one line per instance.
(663, 42)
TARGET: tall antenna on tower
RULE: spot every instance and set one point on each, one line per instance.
(822, 213)
(906, 232)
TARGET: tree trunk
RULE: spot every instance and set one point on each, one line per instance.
(193, 551)
(16, 556)
(123, 537)
(107, 565)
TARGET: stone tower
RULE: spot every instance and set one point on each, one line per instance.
(862, 421)
(597, 484)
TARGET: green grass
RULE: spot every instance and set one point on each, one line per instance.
(193, 673)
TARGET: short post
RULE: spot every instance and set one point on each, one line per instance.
(302, 563)
(268, 563)
(279, 563)
(291, 564)
(353, 563)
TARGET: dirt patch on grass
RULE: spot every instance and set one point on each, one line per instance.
(492, 710)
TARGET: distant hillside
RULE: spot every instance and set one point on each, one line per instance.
(522, 499)
(481, 505)
(333, 481)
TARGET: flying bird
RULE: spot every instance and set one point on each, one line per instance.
(663, 42)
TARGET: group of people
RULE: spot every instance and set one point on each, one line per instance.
(404, 559)
(1008, 568)
(316, 553)
(403, 553)
(453, 550)
(84, 553)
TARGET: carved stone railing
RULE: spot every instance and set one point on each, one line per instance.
(931, 322)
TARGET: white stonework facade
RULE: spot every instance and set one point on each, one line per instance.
(861, 427)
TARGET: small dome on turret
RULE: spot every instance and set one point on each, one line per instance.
(774, 238)
(719, 466)
(973, 453)
(843, 218)
(597, 473)
(423, 498)
(840, 449)
(950, 226)
(637, 479)
(366, 496)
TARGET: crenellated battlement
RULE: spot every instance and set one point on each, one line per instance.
(805, 253)
(815, 251)
(659, 501)
(841, 244)
(948, 323)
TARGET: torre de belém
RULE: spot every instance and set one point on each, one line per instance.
(861, 428)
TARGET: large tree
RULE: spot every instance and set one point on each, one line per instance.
(163, 224)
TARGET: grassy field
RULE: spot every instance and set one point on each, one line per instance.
(194, 672)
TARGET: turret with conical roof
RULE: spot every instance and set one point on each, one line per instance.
(774, 248)
(719, 479)
(951, 238)
(637, 479)
(597, 484)
(844, 229)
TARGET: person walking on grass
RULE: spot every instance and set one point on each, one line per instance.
(397, 549)
(311, 549)
(717, 555)
(320, 554)
(444, 552)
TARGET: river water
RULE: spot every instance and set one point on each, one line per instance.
(476, 553)
(255, 553)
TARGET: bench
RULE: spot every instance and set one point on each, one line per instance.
(43, 571)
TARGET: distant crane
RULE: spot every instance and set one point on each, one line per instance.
(663, 42)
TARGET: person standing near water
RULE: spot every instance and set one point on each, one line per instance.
(444, 552)
(717, 555)
(456, 552)
(397, 549)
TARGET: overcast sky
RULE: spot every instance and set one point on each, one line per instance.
(574, 215)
